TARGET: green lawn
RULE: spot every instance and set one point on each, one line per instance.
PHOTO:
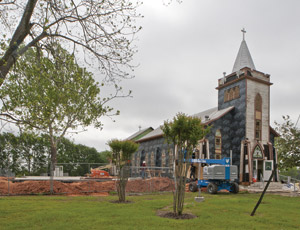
(221, 211)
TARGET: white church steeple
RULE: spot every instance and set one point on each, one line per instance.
(243, 58)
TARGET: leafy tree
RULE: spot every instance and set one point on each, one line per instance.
(104, 155)
(288, 144)
(9, 156)
(184, 132)
(33, 153)
(121, 152)
(103, 29)
(79, 156)
(23, 154)
(52, 95)
(28, 154)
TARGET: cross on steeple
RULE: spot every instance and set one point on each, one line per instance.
(243, 58)
(243, 31)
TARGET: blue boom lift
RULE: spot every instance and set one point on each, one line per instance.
(217, 175)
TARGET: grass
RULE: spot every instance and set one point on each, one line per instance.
(221, 211)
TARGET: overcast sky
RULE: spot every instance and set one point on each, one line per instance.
(185, 48)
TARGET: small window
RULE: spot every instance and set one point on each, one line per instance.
(258, 117)
(237, 92)
(218, 143)
(231, 94)
(268, 166)
(257, 129)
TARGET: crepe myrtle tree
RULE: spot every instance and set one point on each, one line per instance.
(121, 152)
(184, 132)
(52, 95)
(103, 29)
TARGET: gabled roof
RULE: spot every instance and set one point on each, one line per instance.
(139, 134)
(206, 117)
(213, 114)
(243, 58)
(154, 134)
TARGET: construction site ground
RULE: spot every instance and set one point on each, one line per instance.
(80, 186)
(12, 187)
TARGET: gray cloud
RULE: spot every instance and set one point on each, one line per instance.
(185, 48)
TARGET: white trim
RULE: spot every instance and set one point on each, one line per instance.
(242, 160)
(207, 149)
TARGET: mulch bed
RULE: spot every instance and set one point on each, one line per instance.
(119, 202)
(172, 215)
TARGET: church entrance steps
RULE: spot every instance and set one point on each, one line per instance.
(274, 187)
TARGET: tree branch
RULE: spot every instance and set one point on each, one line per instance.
(18, 37)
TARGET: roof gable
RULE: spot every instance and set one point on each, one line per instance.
(139, 134)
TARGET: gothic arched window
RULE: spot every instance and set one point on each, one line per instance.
(143, 157)
(236, 93)
(158, 157)
(226, 96)
(231, 94)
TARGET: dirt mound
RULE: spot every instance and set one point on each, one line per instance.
(43, 187)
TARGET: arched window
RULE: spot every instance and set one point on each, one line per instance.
(231, 94)
(236, 92)
(158, 157)
(226, 96)
(143, 157)
(258, 116)
(218, 144)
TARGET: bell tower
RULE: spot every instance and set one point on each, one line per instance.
(248, 90)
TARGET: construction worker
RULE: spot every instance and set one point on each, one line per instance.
(193, 172)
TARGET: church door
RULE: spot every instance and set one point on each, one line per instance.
(258, 169)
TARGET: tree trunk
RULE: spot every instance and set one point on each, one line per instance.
(53, 154)
(180, 176)
(121, 187)
(29, 166)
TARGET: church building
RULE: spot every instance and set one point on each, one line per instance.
(240, 125)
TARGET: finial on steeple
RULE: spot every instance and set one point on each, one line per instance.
(243, 31)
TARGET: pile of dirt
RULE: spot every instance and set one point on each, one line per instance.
(43, 187)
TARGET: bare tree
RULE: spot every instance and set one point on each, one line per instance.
(103, 29)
